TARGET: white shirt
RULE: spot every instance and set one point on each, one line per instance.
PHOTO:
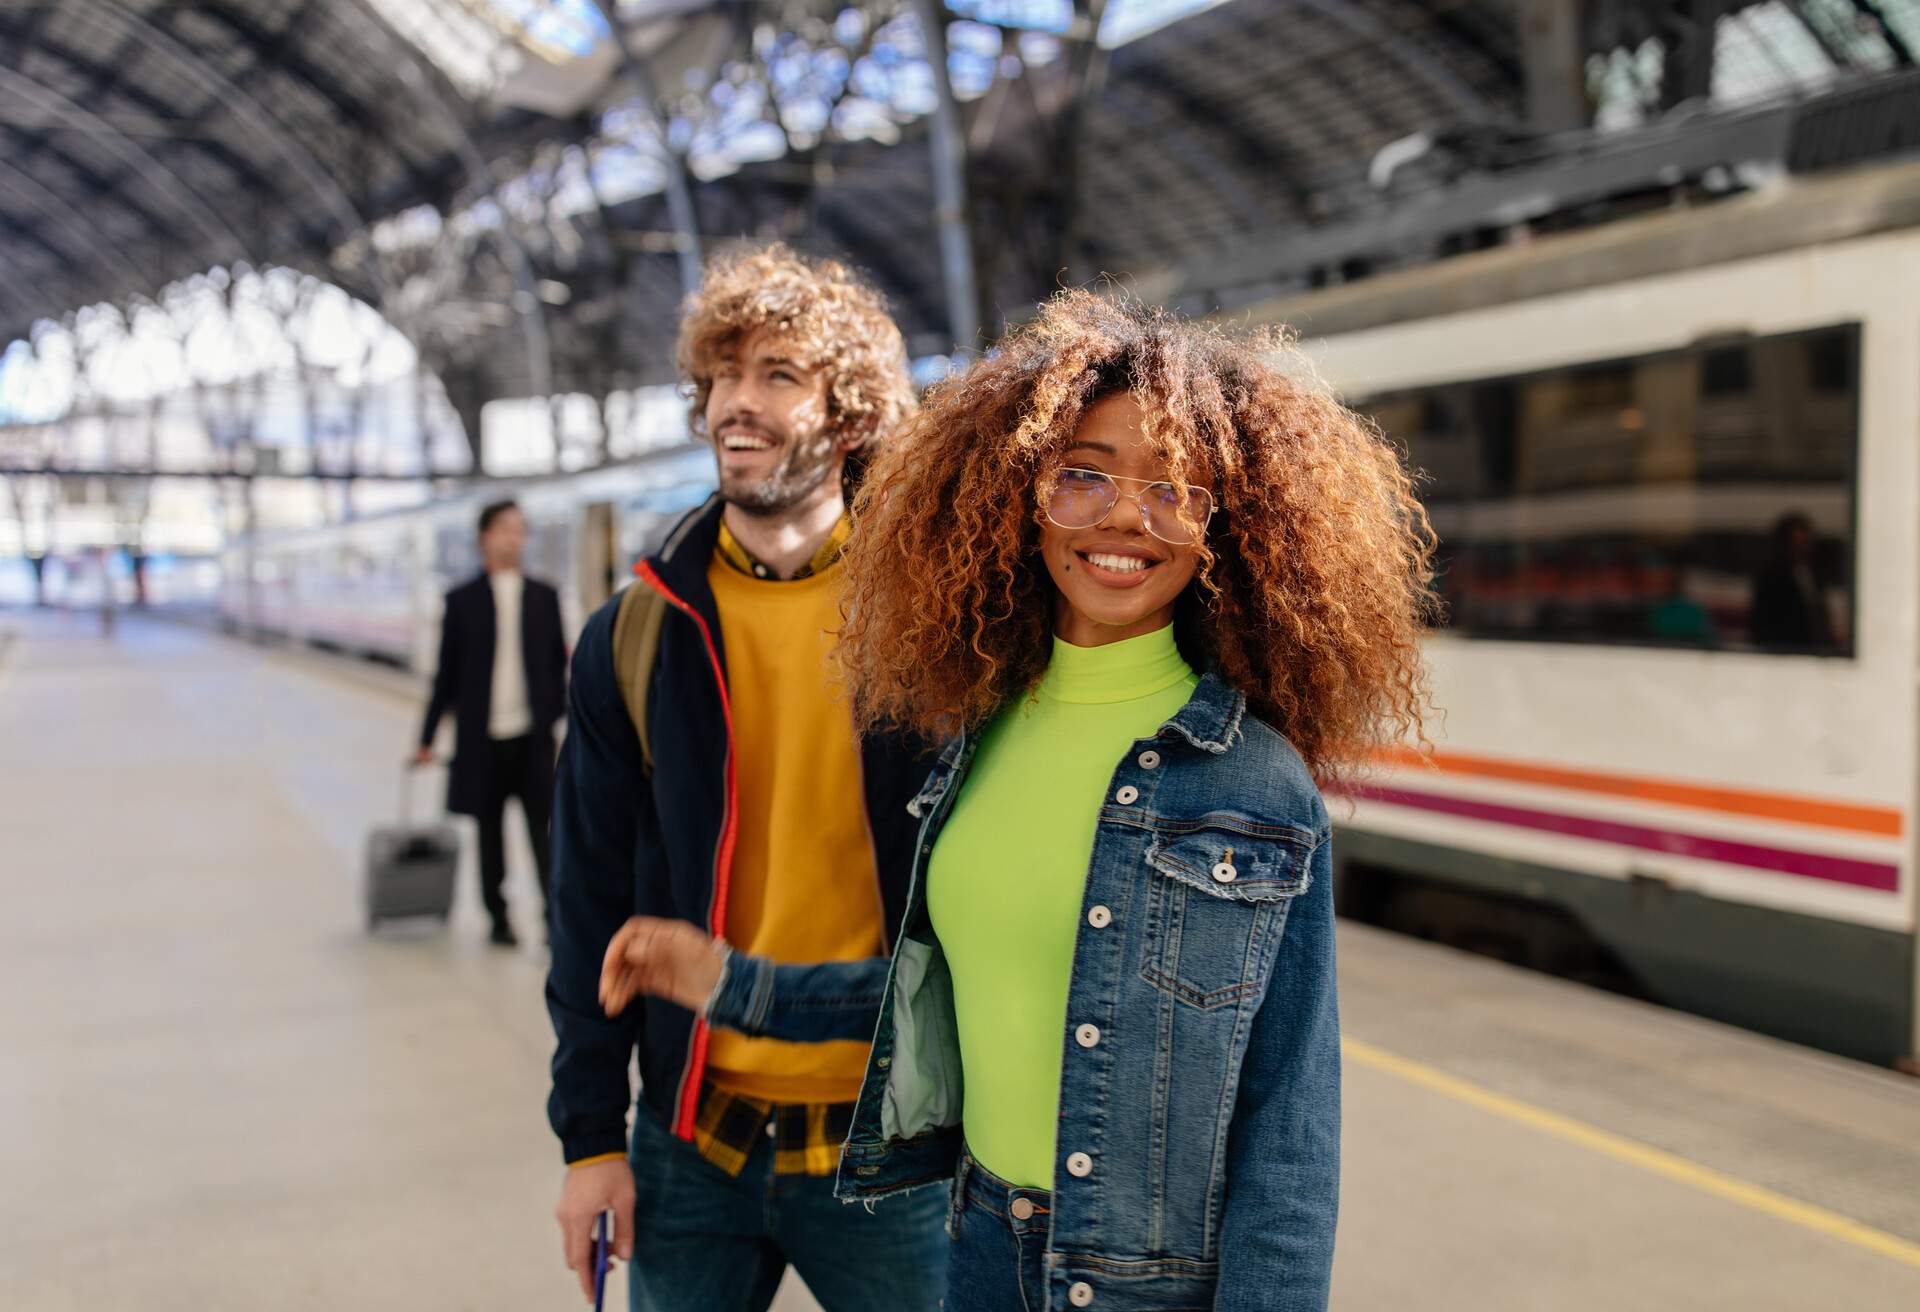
(508, 713)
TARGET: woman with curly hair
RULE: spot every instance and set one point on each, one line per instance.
(1149, 587)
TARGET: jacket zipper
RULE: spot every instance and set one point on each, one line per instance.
(686, 1103)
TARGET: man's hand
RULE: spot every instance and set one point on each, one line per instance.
(668, 959)
(587, 1192)
(423, 756)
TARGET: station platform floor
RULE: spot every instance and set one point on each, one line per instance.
(217, 1091)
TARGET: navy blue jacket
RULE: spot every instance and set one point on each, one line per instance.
(628, 843)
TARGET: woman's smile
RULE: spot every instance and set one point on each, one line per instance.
(1114, 565)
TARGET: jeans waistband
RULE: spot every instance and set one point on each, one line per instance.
(975, 1186)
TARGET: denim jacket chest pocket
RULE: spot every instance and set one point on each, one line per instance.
(1217, 896)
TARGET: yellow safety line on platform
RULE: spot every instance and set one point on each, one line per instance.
(1623, 1149)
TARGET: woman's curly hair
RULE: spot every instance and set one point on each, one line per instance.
(831, 319)
(1313, 586)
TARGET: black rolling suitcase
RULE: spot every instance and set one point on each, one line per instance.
(410, 868)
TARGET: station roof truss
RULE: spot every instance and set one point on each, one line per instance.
(518, 185)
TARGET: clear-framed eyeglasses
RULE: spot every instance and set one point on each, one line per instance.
(1076, 498)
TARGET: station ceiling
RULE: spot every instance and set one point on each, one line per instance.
(144, 141)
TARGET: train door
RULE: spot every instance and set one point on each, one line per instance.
(599, 552)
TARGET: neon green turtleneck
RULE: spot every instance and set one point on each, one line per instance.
(1007, 876)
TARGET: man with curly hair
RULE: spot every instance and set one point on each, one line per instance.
(712, 777)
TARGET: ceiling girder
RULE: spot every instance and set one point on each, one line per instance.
(254, 114)
(75, 223)
(1244, 150)
(286, 57)
(101, 74)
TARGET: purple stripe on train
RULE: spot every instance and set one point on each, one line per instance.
(1809, 865)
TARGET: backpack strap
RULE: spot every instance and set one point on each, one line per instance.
(636, 644)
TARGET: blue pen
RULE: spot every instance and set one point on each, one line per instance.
(600, 1246)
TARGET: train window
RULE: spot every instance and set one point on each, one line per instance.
(1698, 498)
(1728, 369)
(1830, 357)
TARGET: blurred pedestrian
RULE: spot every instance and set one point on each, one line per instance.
(712, 778)
(502, 673)
(1154, 588)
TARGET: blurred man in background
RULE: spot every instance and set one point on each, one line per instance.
(712, 775)
(503, 675)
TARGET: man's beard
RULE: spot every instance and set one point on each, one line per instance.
(794, 480)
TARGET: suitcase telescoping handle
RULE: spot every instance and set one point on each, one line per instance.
(407, 771)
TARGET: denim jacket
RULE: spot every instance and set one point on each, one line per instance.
(1198, 1158)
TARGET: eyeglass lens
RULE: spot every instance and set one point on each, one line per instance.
(1082, 498)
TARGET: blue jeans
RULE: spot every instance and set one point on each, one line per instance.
(999, 1243)
(705, 1241)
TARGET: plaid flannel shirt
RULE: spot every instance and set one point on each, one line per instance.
(806, 1136)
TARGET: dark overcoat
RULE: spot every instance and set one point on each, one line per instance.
(463, 684)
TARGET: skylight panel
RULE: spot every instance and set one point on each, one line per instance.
(1764, 51)
(1129, 20)
(479, 43)
(459, 42)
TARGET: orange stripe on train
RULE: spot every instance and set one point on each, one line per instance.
(1772, 806)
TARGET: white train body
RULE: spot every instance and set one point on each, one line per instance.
(1735, 823)
(374, 586)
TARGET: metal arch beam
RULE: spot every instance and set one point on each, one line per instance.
(1246, 150)
(29, 188)
(286, 58)
(1086, 73)
(948, 154)
(1167, 231)
(27, 35)
(192, 65)
(100, 184)
(527, 304)
(158, 175)
(1449, 21)
(32, 236)
(680, 205)
(1365, 27)
(874, 252)
(1190, 156)
(1314, 65)
(104, 74)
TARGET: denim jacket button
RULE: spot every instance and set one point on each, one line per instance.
(1080, 1294)
(1080, 1166)
(1099, 917)
(1148, 760)
(1225, 873)
(1022, 1209)
(1087, 1036)
(1127, 796)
